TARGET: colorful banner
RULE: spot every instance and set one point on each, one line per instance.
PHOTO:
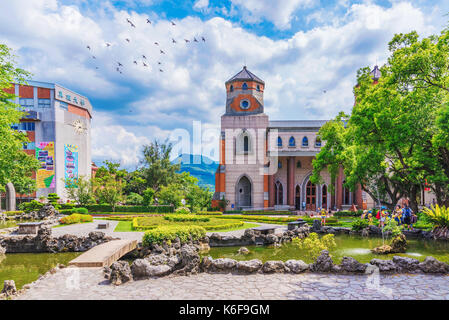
(71, 165)
(45, 153)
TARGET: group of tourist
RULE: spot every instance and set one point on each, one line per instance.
(403, 216)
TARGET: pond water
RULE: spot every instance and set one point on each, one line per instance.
(353, 246)
(25, 268)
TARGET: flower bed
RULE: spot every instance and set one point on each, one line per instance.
(170, 233)
(209, 213)
(76, 218)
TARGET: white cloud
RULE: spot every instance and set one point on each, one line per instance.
(279, 12)
(52, 42)
(201, 4)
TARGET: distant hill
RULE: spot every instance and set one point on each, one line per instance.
(201, 167)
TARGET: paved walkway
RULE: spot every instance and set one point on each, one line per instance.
(88, 283)
(83, 229)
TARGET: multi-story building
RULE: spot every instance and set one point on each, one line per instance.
(58, 125)
(268, 164)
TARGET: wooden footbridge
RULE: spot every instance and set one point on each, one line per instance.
(104, 254)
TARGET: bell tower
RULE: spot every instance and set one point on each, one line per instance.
(244, 94)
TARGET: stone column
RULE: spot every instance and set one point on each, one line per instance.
(339, 188)
(271, 190)
(291, 181)
(10, 197)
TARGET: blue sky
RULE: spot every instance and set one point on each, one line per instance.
(301, 48)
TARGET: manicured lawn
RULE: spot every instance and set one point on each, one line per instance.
(124, 226)
(245, 226)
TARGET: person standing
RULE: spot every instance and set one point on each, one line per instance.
(407, 216)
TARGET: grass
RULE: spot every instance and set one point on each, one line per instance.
(124, 226)
(245, 226)
(127, 213)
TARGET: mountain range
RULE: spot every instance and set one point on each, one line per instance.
(201, 167)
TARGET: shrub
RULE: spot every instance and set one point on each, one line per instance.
(209, 213)
(185, 218)
(137, 209)
(312, 245)
(182, 210)
(359, 224)
(80, 210)
(66, 211)
(170, 233)
(33, 205)
(438, 215)
(264, 219)
(234, 211)
(67, 205)
(76, 218)
(134, 199)
(13, 213)
(346, 213)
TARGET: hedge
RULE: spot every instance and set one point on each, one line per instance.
(170, 233)
(261, 219)
(278, 213)
(13, 213)
(139, 209)
(76, 218)
(66, 211)
(224, 226)
(346, 213)
(80, 210)
(185, 218)
(209, 213)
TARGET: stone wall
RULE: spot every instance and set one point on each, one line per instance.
(44, 242)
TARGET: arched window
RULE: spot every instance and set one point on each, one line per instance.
(279, 194)
(298, 164)
(258, 88)
(245, 144)
(245, 86)
(305, 142)
(318, 143)
(279, 164)
(279, 142)
(231, 88)
(291, 142)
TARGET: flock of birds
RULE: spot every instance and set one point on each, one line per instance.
(119, 66)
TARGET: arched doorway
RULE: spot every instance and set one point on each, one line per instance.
(346, 195)
(243, 193)
(310, 196)
(298, 198)
(324, 197)
(278, 194)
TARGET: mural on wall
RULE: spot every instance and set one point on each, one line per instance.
(45, 153)
(71, 165)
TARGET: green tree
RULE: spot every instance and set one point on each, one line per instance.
(81, 192)
(148, 196)
(157, 169)
(170, 195)
(109, 190)
(15, 165)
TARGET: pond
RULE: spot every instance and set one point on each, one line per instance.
(353, 246)
(25, 268)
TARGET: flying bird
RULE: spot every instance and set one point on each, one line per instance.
(94, 57)
(135, 62)
(143, 56)
(88, 47)
(194, 39)
(173, 40)
(119, 64)
(156, 43)
(145, 65)
(172, 23)
(160, 70)
(130, 22)
(108, 44)
(148, 21)
(162, 52)
(324, 91)
(159, 63)
(202, 38)
(186, 40)
(127, 39)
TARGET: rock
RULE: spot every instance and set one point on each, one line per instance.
(405, 264)
(350, 264)
(316, 225)
(9, 288)
(398, 245)
(274, 267)
(374, 229)
(223, 265)
(143, 269)
(271, 239)
(107, 272)
(365, 232)
(323, 263)
(432, 265)
(96, 235)
(206, 263)
(120, 273)
(296, 266)
(2, 250)
(46, 211)
(190, 260)
(250, 266)
(384, 265)
(243, 250)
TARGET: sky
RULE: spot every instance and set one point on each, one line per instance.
(307, 52)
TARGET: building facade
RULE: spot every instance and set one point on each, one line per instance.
(58, 125)
(267, 164)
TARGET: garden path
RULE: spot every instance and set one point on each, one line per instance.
(88, 283)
